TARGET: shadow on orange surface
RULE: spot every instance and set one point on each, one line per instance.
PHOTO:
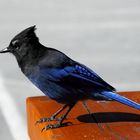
(108, 120)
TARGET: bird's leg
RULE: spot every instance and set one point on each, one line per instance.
(60, 123)
(53, 117)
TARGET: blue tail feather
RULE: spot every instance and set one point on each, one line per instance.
(121, 99)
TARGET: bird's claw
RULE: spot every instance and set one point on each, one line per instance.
(42, 120)
(53, 126)
(50, 126)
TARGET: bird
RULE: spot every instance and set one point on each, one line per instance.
(59, 77)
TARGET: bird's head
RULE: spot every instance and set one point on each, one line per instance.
(22, 43)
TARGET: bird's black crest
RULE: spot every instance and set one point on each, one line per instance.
(27, 33)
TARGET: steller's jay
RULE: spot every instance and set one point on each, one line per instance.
(59, 77)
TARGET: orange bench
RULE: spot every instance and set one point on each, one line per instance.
(115, 121)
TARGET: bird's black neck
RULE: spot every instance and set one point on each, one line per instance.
(32, 56)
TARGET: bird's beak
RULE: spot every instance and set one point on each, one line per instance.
(5, 50)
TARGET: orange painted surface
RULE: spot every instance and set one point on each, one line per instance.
(115, 121)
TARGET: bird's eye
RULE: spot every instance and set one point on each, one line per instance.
(15, 43)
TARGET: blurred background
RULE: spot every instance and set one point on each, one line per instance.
(102, 34)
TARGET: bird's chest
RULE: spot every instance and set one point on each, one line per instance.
(40, 78)
(34, 75)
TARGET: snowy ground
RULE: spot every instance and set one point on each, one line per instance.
(104, 35)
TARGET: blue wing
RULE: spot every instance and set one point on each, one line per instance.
(77, 73)
(80, 77)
